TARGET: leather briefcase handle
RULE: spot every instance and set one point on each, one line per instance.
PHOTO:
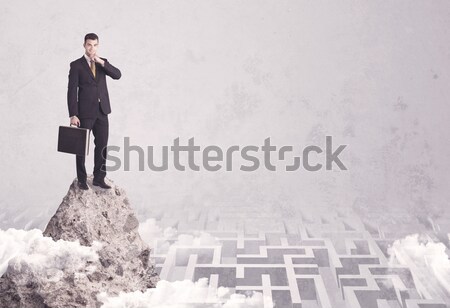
(73, 124)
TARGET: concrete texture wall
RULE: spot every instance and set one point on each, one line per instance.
(374, 75)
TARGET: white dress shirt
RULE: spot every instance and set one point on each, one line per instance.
(88, 60)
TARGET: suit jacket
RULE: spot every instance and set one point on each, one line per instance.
(84, 91)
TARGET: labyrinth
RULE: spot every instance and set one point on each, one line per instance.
(297, 258)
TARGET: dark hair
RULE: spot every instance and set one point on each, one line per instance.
(90, 36)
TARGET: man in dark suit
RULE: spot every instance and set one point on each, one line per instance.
(88, 102)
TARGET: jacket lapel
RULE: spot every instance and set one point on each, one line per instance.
(86, 66)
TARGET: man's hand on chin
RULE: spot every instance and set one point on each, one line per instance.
(99, 60)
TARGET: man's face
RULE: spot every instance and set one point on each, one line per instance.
(91, 47)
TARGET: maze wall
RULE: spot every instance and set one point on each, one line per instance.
(298, 259)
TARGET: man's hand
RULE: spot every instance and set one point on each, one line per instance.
(75, 121)
(98, 60)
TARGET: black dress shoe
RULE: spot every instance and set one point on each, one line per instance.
(83, 185)
(101, 183)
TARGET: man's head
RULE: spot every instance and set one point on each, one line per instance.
(90, 44)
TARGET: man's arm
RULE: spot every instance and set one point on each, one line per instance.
(72, 91)
(110, 70)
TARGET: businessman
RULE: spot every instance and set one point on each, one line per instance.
(89, 106)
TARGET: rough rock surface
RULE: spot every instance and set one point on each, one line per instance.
(123, 259)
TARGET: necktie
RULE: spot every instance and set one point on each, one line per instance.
(93, 67)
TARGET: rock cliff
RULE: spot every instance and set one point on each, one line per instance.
(96, 218)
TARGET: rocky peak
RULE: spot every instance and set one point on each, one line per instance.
(97, 218)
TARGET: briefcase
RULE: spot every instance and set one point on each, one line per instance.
(73, 140)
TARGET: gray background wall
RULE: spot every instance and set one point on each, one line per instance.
(372, 74)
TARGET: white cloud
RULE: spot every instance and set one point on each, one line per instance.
(182, 294)
(421, 252)
(14, 242)
(161, 240)
(47, 259)
(155, 236)
(31, 251)
(149, 230)
(197, 239)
